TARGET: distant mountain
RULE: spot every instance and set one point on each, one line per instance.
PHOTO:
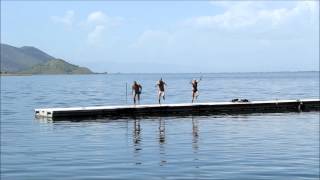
(34, 52)
(30, 60)
(57, 66)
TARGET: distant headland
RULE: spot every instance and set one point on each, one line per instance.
(29, 60)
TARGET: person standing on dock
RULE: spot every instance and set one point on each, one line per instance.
(195, 92)
(136, 91)
(160, 85)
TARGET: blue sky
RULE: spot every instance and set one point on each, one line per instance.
(162, 36)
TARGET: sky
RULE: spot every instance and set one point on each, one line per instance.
(169, 37)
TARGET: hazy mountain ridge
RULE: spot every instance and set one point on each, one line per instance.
(30, 60)
(57, 66)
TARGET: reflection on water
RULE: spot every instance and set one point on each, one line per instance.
(136, 133)
(136, 137)
(161, 138)
(162, 131)
(162, 141)
(195, 133)
(196, 147)
(195, 138)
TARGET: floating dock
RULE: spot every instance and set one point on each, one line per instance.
(179, 109)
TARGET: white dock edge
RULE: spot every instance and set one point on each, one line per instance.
(254, 106)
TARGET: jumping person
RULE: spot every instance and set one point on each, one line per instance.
(136, 91)
(195, 92)
(160, 85)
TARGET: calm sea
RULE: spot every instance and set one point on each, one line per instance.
(254, 146)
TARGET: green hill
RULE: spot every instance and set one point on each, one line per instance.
(30, 60)
(16, 59)
(57, 66)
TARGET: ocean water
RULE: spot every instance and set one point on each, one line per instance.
(252, 146)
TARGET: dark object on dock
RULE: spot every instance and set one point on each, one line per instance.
(240, 100)
(115, 112)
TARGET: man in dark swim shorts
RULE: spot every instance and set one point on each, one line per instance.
(195, 92)
(136, 91)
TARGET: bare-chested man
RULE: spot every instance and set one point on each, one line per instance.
(195, 92)
(136, 91)
(160, 85)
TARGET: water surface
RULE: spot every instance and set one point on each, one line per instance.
(253, 146)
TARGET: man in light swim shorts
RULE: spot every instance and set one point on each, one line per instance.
(160, 85)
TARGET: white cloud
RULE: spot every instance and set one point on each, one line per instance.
(249, 31)
(97, 17)
(98, 21)
(67, 20)
(247, 14)
(95, 35)
(311, 6)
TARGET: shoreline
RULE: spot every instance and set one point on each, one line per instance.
(120, 73)
(17, 74)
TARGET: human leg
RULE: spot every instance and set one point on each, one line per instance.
(192, 96)
(134, 98)
(159, 97)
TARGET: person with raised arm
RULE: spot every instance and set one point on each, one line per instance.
(195, 91)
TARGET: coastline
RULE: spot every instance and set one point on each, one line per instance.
(119, 73)
(18, 74)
